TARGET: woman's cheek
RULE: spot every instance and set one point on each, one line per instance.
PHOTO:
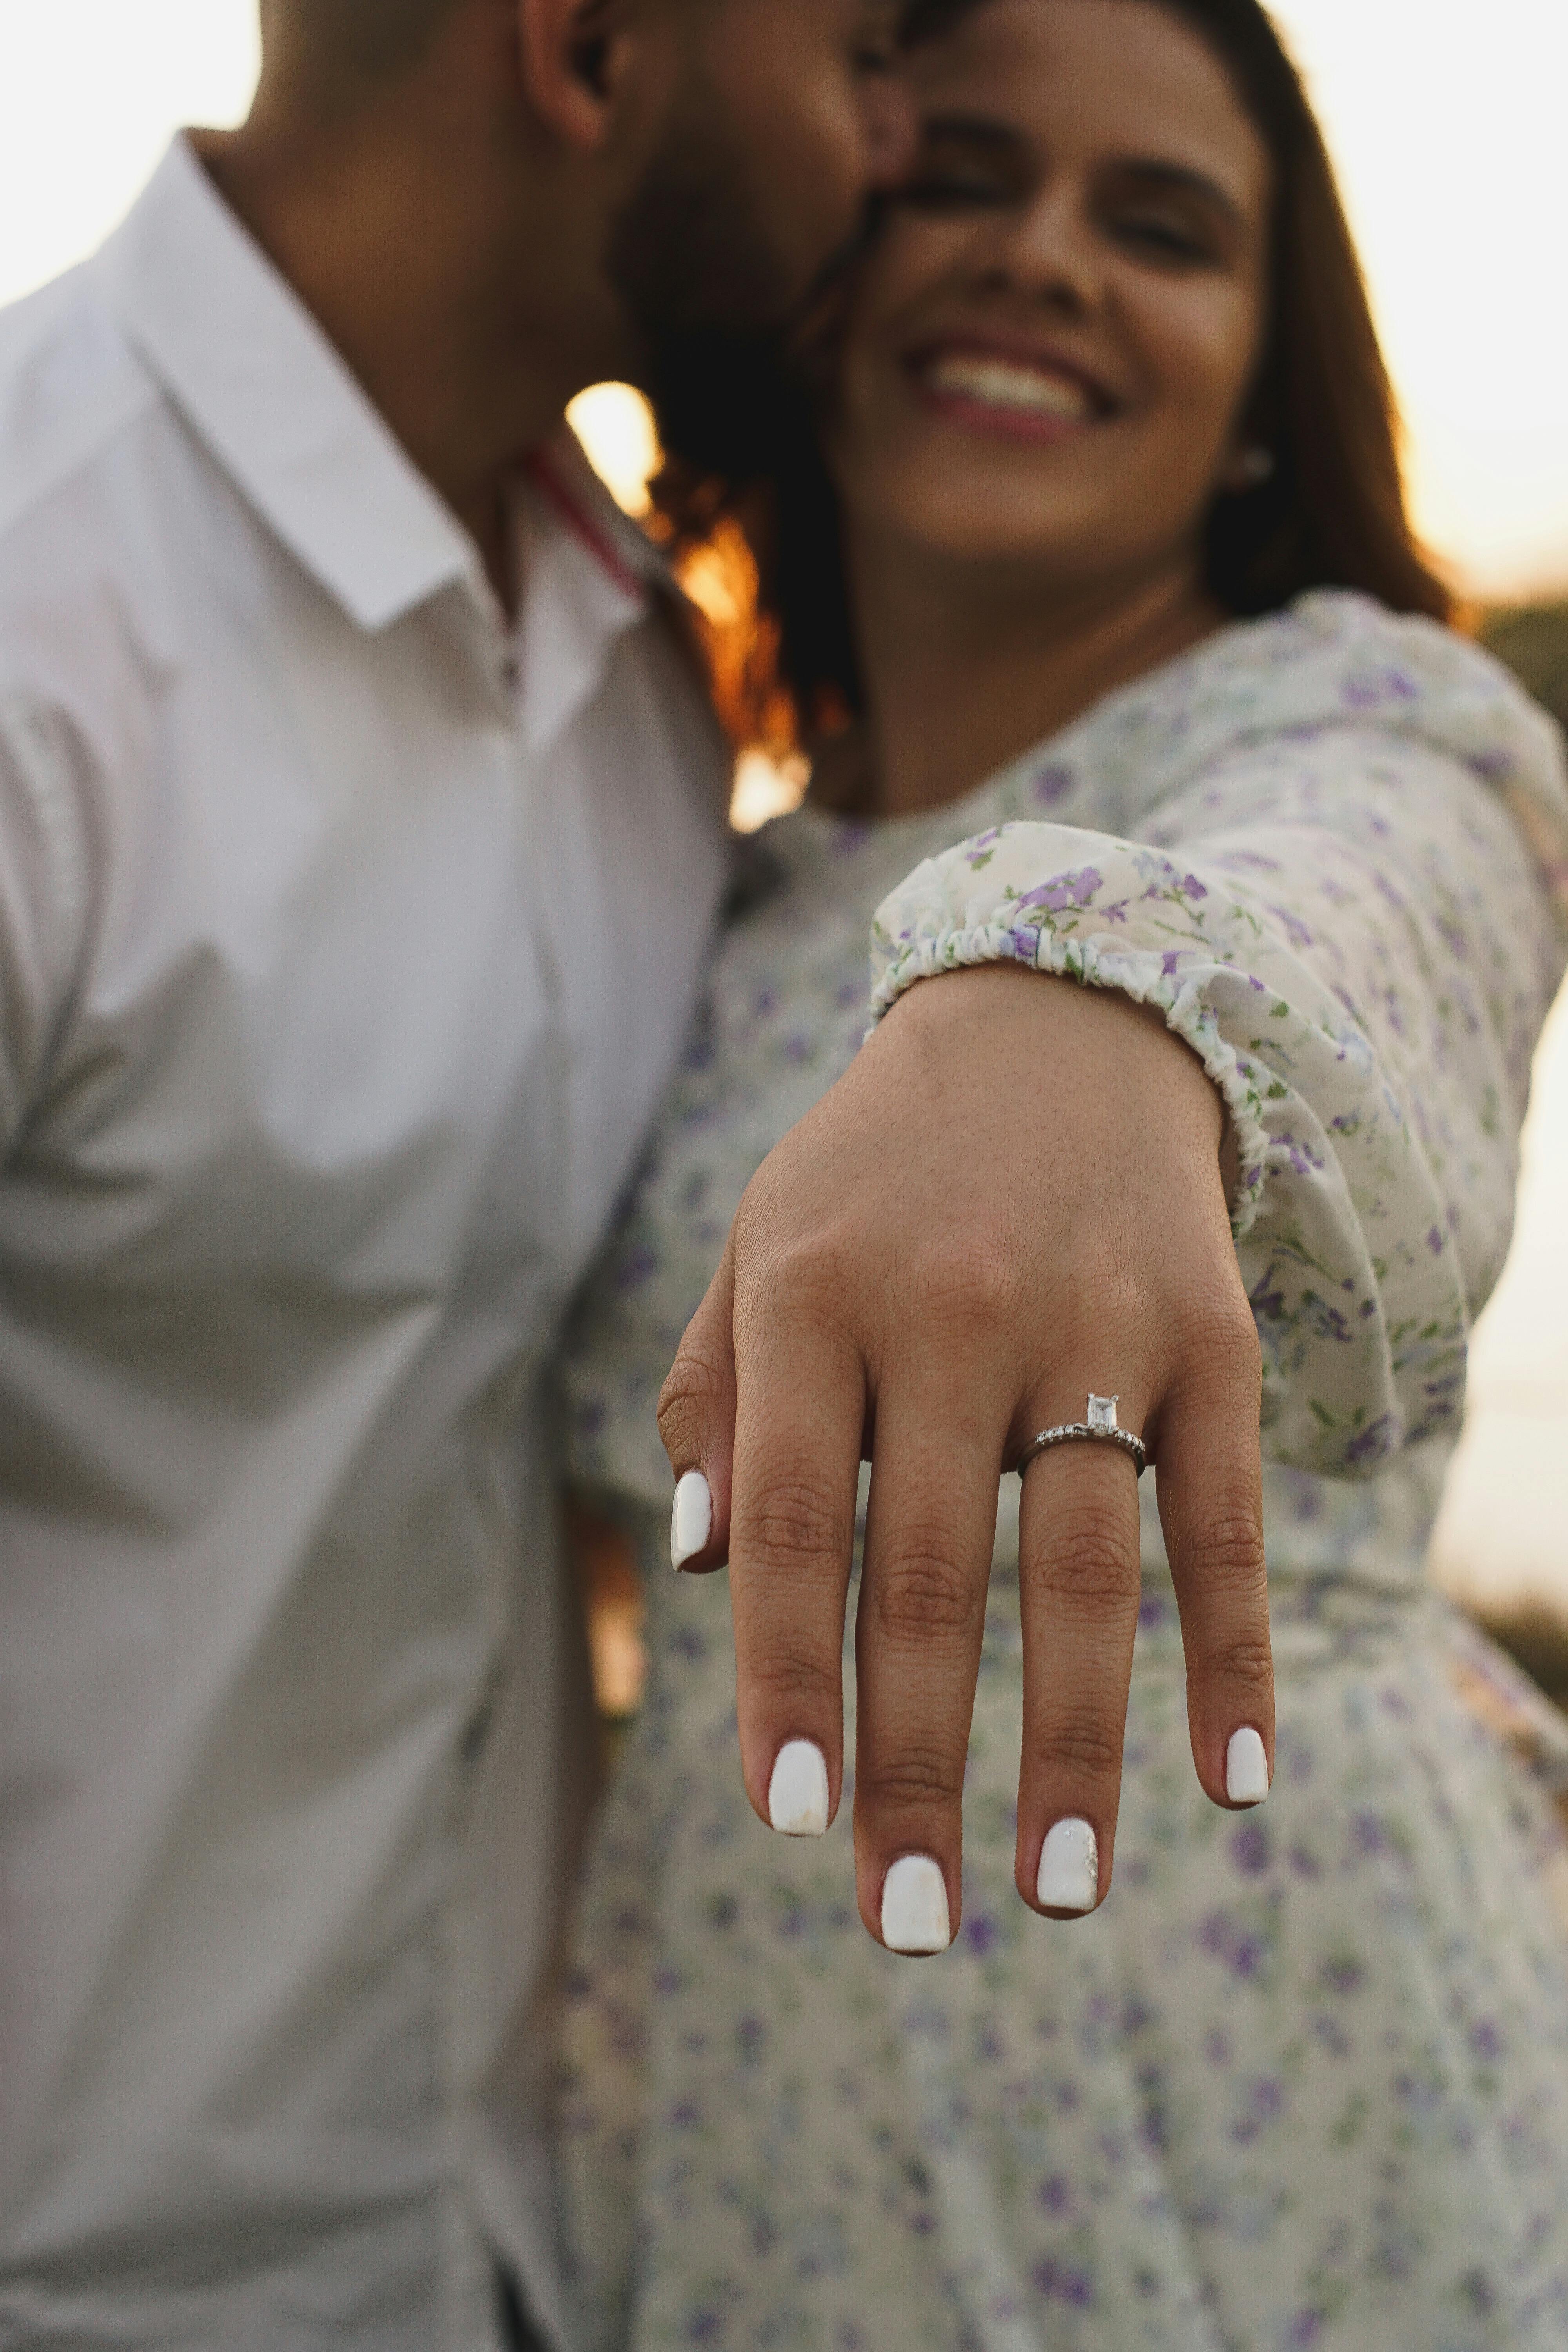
(1220, 358)
(1193, 328)
(913, 264)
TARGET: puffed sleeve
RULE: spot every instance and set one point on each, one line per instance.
(1349, 926)
(44, 899)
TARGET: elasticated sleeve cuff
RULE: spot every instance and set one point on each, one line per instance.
(1375, 1175)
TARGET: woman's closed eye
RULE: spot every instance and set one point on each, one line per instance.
(875, 48)
(953, 189)
(1175, 217)
(1162, 237)
(967, 164)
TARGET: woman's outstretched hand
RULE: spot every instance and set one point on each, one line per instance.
(1013, 1197)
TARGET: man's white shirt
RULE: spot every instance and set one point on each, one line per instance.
(346, 939)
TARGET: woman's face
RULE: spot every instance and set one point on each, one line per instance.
(1055, 337)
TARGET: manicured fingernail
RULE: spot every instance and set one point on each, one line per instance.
(797, 1793)
(1069, 1868)
(691, 1521)
(1245, 1769)
(915, 1916)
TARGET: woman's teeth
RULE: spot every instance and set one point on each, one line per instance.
(1007, 384)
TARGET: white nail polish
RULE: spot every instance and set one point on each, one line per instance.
(1245, 1769)
(797, 1793)
(691, 1521)
(1069, 1868)
(915, 1916)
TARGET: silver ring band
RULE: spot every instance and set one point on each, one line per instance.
(1100, 1429)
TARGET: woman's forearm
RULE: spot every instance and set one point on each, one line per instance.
(1353, 938)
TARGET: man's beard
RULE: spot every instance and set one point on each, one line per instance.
(727, 345)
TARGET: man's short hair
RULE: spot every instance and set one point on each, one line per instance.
(340, 48)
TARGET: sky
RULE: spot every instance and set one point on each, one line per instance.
(1446, 121)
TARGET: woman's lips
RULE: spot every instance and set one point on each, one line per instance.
(1005, 393)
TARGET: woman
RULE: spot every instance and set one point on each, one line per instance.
(1128, 599)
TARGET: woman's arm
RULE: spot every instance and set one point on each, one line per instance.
(1014, 1196)
(1348, 929)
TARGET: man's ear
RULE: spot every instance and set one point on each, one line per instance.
(571, 64)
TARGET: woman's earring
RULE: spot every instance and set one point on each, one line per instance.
(1254, 467)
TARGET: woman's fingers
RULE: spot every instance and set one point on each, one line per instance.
(929, 1531)
(1211, 1506)
(1078, 1586)
(696, 1424)
(792, 1542)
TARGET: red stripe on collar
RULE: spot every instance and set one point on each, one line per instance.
(583, 525)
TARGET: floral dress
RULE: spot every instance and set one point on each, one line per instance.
(1302, 2081)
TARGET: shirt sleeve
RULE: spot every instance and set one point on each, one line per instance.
(44, 899)
(1351, 932)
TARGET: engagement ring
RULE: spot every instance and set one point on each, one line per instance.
(1102, 1428)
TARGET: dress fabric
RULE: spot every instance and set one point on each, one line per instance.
(1303, 2080)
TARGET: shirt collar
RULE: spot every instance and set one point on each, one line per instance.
(256, 378)
(562, 475)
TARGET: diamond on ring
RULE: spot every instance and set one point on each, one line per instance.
(1102, 1426)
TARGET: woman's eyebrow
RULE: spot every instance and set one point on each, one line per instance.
(981, 132)
(1004, 143)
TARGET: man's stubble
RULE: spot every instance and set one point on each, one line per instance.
(717, 320)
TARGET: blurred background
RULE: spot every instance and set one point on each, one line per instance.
(1446, 125)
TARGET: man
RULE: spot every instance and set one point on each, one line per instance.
(360, 836)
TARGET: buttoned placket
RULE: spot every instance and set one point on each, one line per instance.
(560, 570)
(490, 647)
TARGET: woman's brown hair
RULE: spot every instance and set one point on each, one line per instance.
(767, 537)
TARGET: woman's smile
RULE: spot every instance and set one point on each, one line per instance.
(984, 385)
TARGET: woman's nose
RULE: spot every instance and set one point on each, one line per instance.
(1048, 253)
(893, 130)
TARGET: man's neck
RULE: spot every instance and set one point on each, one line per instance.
(419, 271)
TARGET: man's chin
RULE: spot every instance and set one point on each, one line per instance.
(725, 403)
(731, 400)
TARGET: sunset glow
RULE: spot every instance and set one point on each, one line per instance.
(1446, 125)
